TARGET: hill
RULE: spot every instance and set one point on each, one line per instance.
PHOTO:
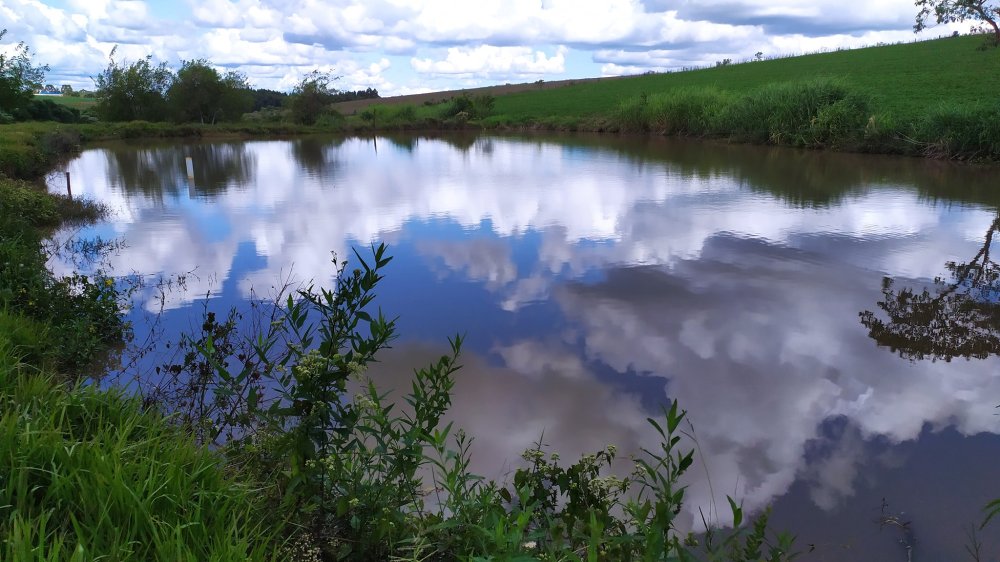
(904, 79)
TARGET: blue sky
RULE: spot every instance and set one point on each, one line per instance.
(409, 46)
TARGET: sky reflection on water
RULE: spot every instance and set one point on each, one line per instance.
(596, 278)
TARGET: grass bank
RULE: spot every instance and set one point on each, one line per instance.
(875, 99)
(88, 474)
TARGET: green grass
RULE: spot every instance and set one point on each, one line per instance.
(77, 102)
(906, 80)
(89, 474)
(86, 474)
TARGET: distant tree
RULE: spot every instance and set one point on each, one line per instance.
(66, 90)
(369, 93)
(311, 96)
(263, 98)
(758, 56)
(200, 93)
(985, 12)
(960, 318)
(18, 78)
(133, 91)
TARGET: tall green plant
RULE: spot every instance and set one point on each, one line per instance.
(130, 91)
(353, 468)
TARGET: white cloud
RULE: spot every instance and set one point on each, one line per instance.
(487, 60)
(494, 41)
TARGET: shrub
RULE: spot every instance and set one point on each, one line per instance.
(467, 107)
(961, 132)
(88, 307)
(685, 112)
(631, 114)
(351, 466)
(390, 116)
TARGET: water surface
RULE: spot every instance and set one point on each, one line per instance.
(597, 278)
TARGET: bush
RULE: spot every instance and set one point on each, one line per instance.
(814, 113)
(466, 107)
(48, 110)
(88, 307)
(350, 466)
(631, 114)
(685, 112)
(390, 116)
(960, 132)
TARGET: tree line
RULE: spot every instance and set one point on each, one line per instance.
(145, 90)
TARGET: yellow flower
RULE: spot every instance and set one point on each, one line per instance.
(108, 282)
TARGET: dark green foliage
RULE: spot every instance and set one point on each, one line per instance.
(130, 91)
(48, 110)
(18, 78)
(367, 94)
(466, 107)
(814, 114)
(390, 116)
(200, 94)
(311, 96)
(969, 132)
(87, 307)
(985, 14)
(263, 98)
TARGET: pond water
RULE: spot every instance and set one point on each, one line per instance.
(598, 277)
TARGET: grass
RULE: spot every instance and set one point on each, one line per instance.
(905, 80)
(77, 102)
(86, 474)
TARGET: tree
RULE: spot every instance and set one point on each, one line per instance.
(264, 98)
(985, 12)
(18, 78)
(200, 93)
(311, 96)
(133, 91)
(960, 319)
(66, 90)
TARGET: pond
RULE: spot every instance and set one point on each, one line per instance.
(598, 277)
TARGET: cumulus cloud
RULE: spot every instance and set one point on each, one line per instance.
(487, 60)
(493, 41)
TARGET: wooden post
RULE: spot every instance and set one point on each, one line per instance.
(69, 186)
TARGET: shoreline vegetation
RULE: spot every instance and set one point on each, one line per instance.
(254, 448)
(872, 100)
(234, 471)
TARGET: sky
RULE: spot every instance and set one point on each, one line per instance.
(413, 46)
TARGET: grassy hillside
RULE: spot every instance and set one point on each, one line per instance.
(77, 102)
(904, 79)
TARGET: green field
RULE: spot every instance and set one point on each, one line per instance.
(77, 102)
(906, 80)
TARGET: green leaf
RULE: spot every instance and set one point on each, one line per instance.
(737, 512)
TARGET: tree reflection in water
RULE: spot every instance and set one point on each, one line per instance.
(960, 318)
